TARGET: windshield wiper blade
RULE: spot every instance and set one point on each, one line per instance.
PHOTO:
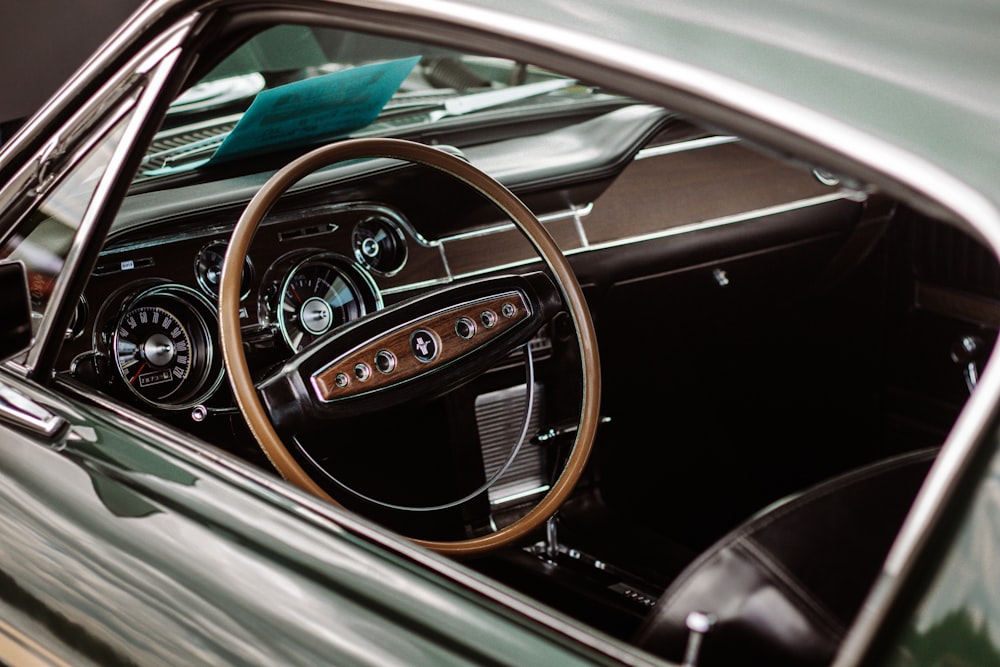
(464, 104)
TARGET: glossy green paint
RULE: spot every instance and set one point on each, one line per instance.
(117, 551)
(92, 524)
(918, 74)
(953, 597)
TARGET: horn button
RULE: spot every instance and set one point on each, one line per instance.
(420, 347)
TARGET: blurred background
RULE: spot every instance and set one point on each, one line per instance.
(42, 42)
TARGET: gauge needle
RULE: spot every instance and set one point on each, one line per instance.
(132, 381)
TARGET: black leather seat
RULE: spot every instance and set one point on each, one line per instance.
(786, 584)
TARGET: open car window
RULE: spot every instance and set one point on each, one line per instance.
(43, 238)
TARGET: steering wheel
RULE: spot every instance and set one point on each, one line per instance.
(413, 348)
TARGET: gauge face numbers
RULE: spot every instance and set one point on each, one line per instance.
(317, 297)
(208, 269)
(153, 352)
(162, 346)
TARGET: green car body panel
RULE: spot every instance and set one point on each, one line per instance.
(101, 522)
(92, 522)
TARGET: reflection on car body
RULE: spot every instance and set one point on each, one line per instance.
(427, 335)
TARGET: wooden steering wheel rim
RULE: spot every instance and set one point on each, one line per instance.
(242, 383)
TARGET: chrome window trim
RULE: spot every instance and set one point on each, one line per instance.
(786, 124)
(156, 62)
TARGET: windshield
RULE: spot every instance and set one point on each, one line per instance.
(296, 86)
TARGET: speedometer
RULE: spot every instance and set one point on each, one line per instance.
(163, 347)
(153, 351)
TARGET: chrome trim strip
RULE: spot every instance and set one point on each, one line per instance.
(578, 215)
(18, 409)
(675, 231)
(720, 222)
(449, 274)
(684, 146)
(423, 284)
(508, 226)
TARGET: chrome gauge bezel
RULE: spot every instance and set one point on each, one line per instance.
(284, 273)
(197, 318)
(369, 259)
(204, 281)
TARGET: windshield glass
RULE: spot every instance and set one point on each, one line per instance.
(296, 86)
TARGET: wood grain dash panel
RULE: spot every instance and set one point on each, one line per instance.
(478, 253)
(678, 189)
(346, 377)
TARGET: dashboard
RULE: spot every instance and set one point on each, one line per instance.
(155, 322)
(658, 218)
(356, 238)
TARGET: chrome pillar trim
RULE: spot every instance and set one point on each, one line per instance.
(156, 62)
(120, 84)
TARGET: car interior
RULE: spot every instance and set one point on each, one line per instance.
(782, 348)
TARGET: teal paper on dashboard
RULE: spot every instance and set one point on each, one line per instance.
(313, 110)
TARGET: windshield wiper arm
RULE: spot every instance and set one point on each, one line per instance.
(436, 109)
(464, 104)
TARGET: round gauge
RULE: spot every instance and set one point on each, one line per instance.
(317, 296)
(208, 269)
(162, 348)
(379, 245)
(153, 352)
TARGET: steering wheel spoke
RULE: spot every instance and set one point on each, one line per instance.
(413, 351)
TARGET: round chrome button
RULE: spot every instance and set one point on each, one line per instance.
(465, 328)
(341, 380)
(362, 371)
(508, 310)
(385, 361)
(424, 345)
(488, 318)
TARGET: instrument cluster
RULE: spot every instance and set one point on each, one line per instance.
(155, 339)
